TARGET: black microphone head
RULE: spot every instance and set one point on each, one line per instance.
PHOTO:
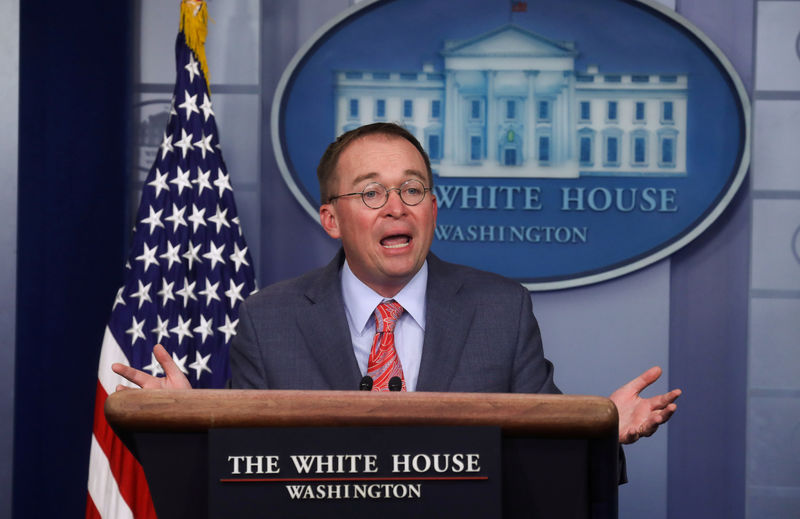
(365, 384)
(395, 384)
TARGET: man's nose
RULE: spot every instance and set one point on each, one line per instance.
(395, 203)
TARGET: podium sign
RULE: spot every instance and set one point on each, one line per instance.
(392, 472)
(558, 454)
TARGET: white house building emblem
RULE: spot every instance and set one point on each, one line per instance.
(509, 103)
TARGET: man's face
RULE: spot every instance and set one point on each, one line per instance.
(384, 247)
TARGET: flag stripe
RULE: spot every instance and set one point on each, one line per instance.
(91, 510)
(124, 468)
(109, 354)
(103, 489)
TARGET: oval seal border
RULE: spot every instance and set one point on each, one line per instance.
(580, 279)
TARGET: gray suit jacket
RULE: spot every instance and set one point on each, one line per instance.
(480, 335)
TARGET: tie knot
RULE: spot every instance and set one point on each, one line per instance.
(386, 316)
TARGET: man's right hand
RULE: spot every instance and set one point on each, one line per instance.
(173, 379)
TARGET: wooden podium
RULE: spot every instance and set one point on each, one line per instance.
(559, 453)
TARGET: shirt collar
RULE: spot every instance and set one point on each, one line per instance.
(360, 300)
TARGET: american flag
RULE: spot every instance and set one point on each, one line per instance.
(188, 270)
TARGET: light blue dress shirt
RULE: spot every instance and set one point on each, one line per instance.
(360, 302)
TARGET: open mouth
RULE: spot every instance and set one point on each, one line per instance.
(397, 241)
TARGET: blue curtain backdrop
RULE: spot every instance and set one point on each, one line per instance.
(75, 62)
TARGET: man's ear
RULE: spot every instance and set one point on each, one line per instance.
(329, 221)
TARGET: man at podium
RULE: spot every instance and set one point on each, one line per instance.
(385, 313)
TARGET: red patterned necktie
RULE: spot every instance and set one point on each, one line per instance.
(384, 364)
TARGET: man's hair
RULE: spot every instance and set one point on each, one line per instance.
(326, 171)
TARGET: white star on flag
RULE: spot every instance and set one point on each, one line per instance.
(214, 254)
(229, 328)
(180, 362)
(204, 145)
(234, 293)
(135, 331)
(154, 220)
(182, 330)
(202, 181)
(200, 364)
(210, 292)
(185, 144)
(239, 256)
(166, 146)
(143, 294)
(172, 254)
(161, 329)
(176, 218)
(119, 299)
(160, 182)
(191, 254)
(223, 182)
(148, 256)
(206, 107)
(197, 217)
(166, 291)
(219, 218)
(189, 104)
(154, 367)
(172, 110)
(192, 68)
(204, 328)
(181, 180)
(187, 292)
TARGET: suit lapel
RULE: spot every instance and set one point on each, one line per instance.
(446, 327)
(325, 330)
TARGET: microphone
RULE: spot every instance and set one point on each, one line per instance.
(365, 384)
(395, 384)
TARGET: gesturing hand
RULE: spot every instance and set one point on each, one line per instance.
(173, 379)
(639, 416)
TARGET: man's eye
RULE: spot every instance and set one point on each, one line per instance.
(413, 191)
(370, 194)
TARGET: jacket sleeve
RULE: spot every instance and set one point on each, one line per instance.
(532, 372)
(247, 368)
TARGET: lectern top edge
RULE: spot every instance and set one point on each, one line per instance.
(515, 414)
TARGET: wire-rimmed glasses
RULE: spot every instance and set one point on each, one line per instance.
(375, 195)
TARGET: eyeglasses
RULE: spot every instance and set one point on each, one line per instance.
(375, 195)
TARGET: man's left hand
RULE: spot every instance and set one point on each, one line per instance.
(639, 416)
